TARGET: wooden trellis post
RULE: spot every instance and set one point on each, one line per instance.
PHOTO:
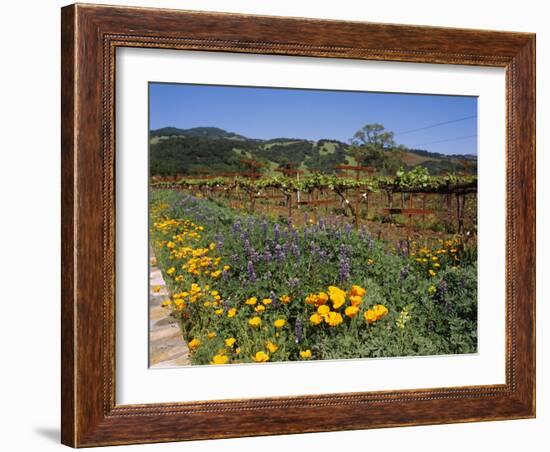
(460, 203)
(389, 194)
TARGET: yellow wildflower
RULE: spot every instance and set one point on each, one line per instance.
(219, 359)
(285, 299)
(232, 312)
(261, 357)
(334, 318)
(337, 296)
(170, 271)
(218, 311)
(251, 301)
(260, 308)
(194, 344)
(279, 323)
(212, 335)
(351, 311)
(271, 346)
(322, 297)
(376, 313)
(370, 316)
(355, 300)
(267, 301)
(315, 319)
(230, 341)
(323, 310)
(357, 291)
(432, 290)
(312, 299)
(305, 354)
(255, 321)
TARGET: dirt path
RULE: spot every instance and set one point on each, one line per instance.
(166, 345)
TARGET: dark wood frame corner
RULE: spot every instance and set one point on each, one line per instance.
(90, 36)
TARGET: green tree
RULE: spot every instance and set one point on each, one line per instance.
(373, 145)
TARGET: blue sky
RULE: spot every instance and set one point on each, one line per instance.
(448, 123)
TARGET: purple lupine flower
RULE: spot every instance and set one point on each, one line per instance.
(236, 226)
(264, 228)
(348, 229)
(235, 258)
(344, 261)
(276, 232)
(246, 247)
(245, 235)
(267, 256)
(251, 273)
(254, 255)
(344, 269)
(298, 331)
(279, 252)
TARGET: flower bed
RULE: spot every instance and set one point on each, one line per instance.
(249, 288)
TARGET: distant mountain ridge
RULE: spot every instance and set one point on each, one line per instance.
(206, 132)
(211, 149)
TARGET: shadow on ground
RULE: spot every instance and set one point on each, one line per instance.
(51, 433)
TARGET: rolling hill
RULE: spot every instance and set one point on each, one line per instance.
(214, 150)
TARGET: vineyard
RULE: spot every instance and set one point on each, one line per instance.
(296, 267)
(435, 203)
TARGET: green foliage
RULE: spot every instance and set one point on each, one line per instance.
(417, 179)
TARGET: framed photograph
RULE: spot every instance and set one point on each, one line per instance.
(282, 225)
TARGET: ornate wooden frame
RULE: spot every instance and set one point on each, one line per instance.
(90, 35)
